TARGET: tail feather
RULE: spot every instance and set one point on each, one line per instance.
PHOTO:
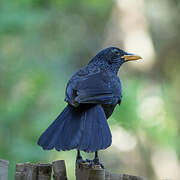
(96, 134)
(70, 135)
(86, 130)
(49, 137)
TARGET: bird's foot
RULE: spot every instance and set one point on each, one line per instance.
(95, 162)
(80, 160)
(88, 160)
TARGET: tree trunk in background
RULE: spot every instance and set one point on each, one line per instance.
(128, 29)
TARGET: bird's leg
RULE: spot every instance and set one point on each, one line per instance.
(96, 161)
(96, 158)
(79, 158)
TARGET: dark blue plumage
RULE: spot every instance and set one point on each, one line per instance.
(77, 128)
(92, 94)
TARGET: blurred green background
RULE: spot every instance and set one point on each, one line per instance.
(43, 42)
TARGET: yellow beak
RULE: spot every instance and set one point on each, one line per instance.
(132, 57)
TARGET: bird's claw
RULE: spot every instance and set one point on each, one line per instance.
(79, 161)
(88, 160)
(95, 162)
(91, 163)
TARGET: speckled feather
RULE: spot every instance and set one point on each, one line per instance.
(92, 94)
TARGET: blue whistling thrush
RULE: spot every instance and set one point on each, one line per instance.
(92, 93)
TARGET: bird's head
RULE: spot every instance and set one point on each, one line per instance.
(112, 58)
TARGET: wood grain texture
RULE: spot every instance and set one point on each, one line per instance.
(86, 172)
(112, 176)
(82, 171)
(96, 174)
(30, 171)
(44, 171)
(4, 169)
(20, 171)
(59, 169)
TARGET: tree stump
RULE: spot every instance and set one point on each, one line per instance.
(4, 169)
(59, 169)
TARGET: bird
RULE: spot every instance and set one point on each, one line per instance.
(92, 94)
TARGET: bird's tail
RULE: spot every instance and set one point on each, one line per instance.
(85, 130)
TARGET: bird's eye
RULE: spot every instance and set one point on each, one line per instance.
(116, 52)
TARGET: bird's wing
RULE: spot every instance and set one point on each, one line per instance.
(97, 88)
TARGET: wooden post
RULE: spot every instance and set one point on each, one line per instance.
(4, 169)
(96, 174)
(125, 177)
(20, 171)
(59, 169)
(44, 171)
(30, 171)
(129, 177)
(116, 177)
(107, 175)
(84, 172)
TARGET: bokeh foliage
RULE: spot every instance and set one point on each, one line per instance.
(43, 42)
